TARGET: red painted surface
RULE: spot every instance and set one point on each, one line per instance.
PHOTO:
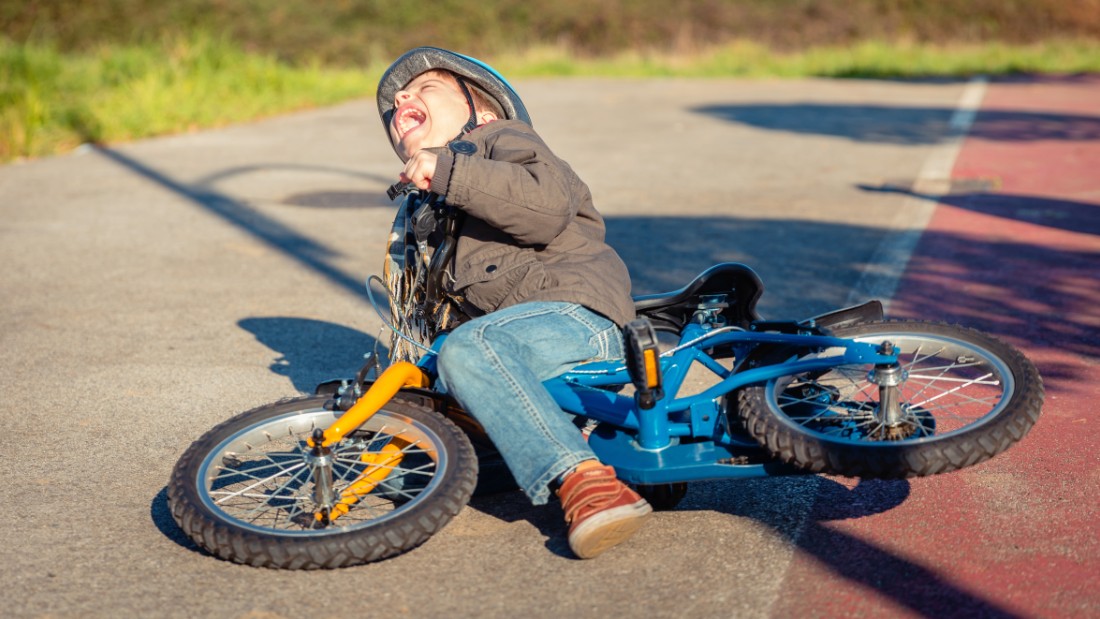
(1019, 535)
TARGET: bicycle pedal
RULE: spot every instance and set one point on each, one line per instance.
(643, 361)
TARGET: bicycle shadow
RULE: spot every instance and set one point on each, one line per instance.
(757, 499)
(910, 584)
(311, 351)
(857, 561)
(161, 515)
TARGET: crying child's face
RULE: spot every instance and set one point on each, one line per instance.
(430, 111)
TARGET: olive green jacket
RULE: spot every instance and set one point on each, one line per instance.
(531, 231)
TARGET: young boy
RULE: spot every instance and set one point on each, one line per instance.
(531, 268)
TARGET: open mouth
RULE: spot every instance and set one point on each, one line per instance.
(408, 119)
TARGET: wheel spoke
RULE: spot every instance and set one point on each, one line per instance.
(265, 497)
(950, 391)
(255, 476)
(950, 383)
(949, 379)
(956, 392)
(947, 406)
(942, 371)
(266, 506)
(917, 359)
(264, 481)
(251, 471)
(268, 485)
(961, 398)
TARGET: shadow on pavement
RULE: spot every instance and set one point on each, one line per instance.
(1079, 217)
(514, 506)
(768, 501)
(265, 229)
(858, 561)
(903, 125)
(310, 351)
(228, 173)
(1035, 294)
(161, 515)
(318, 199)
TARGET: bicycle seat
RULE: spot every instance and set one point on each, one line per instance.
(741, 286)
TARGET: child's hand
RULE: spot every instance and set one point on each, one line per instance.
(419, 169)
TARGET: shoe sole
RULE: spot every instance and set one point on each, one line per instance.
(608, 529)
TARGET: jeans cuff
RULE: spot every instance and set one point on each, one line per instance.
(539, 491)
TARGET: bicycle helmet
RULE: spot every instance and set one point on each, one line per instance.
(471, 72)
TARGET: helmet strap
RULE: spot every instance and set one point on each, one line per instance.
(472, 123)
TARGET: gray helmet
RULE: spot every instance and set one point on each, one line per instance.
(472, 73)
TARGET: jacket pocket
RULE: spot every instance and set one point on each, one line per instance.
(490, 282)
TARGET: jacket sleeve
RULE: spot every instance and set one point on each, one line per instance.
(513, 183)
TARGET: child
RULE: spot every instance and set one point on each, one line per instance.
(531, 269)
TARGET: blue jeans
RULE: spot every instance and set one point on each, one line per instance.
(494, 366)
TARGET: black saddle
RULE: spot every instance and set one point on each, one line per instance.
(740, 286)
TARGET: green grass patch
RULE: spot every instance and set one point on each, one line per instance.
(51, 101)
(869, 59)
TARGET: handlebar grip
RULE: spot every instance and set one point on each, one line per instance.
(399, 189)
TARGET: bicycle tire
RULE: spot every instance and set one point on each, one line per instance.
(234, 494)
(823, 422)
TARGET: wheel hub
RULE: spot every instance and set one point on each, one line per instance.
(319, 460)
(889, 377)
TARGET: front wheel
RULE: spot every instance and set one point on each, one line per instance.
(247, 491)
(964, 397)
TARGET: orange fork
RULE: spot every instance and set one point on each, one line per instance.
(395, 378)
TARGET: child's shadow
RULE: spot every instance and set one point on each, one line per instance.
(311, 351)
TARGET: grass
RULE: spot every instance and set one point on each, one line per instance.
(869, 59)
(51, 101)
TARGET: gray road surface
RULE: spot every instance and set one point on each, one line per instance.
(150, 290)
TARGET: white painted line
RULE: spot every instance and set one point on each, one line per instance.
(884, 270)
(880, 278)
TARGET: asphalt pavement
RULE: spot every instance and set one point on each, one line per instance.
(153, 289)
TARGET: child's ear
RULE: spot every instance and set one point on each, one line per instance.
(486, 117)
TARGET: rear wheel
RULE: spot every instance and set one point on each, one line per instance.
(963, 398)
(247, 492)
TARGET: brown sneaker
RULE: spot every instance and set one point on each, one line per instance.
(601, 510)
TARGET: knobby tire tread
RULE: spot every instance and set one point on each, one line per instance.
(354, 547)
(883, 460)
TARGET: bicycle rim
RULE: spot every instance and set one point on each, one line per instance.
(951, 386)
(258, 480)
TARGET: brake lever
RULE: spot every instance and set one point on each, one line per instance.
(400, 189)
(404, 189)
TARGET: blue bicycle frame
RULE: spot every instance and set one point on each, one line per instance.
(681, 438)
